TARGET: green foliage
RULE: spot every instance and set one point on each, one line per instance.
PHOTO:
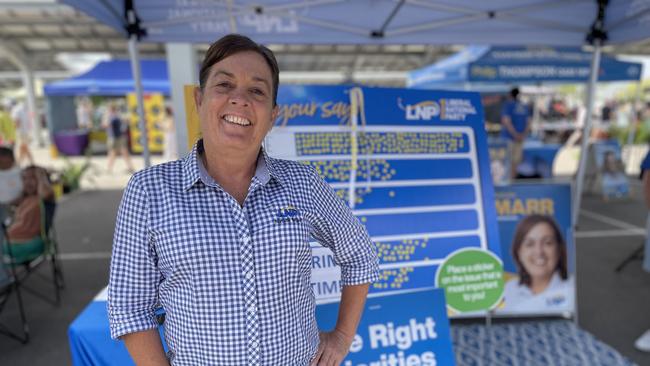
(72, 174)
(641, 136)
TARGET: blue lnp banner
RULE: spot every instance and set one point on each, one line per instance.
(422, 183)
(391, 334)
(537, 249)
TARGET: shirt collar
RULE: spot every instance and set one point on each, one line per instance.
(271, 169)
(555, 281)
(194, 170)
(190, 166)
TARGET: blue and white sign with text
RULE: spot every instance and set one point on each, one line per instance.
(393, 334)
(421, 186)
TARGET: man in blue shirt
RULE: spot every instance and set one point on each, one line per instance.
(515, 121)
(221, 238)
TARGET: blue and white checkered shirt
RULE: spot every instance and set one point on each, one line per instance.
(234, 281)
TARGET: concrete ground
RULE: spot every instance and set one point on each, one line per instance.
(612, 306)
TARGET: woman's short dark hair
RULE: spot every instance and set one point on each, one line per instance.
(524, 226)
(234, 43)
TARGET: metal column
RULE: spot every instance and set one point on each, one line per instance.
(586, 130)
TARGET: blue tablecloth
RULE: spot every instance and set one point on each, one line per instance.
(524, 343)
(538, 159)
(90, 339)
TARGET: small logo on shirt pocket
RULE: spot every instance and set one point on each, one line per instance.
(287, 213)
(556, 300)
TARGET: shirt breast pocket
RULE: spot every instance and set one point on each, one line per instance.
(283, 241)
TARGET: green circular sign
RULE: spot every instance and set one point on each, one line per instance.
(472, 279)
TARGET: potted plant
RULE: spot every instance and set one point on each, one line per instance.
(71, 175)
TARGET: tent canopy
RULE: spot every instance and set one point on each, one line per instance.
(114, 78)
(502, 22)
(520, 65)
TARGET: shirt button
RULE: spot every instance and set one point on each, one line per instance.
(252, 309)
(254, 344)
(245, 239)
(249, 275)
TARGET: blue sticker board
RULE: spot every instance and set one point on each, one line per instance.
(422, 186)
(516, 205)
(390, 333)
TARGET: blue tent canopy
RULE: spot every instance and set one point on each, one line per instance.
(114, 78)
(504, 22)
(519, 65)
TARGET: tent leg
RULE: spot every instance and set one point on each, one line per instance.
(32, 111)
(536, 123)
(586, 131)
(137, 77)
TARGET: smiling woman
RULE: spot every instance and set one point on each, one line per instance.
(221, 238)
(236, 107)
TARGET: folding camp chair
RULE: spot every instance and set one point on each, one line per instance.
(30, 262)
(9, 284)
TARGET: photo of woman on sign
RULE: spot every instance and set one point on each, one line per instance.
(543, 282)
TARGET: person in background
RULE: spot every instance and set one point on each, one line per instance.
(606, 112)
(643, 342)
(24, 231)
(116, 128)
(515, 121)
(21, 119)
(11, 184)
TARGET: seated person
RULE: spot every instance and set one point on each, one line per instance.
(24, 232)
(11, 185)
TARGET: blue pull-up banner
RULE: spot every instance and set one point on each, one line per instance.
(422, 183)
(390, 334)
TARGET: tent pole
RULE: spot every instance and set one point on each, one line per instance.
(31, 111)
(536, 123)
(586, 130)
(137, 77)
(635, 108)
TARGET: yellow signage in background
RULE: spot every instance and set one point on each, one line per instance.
(154, 111)
(191, 116)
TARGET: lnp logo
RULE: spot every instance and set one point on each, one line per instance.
(286, 213)
(424, 110)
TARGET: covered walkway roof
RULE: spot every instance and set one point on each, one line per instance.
(39, 30)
